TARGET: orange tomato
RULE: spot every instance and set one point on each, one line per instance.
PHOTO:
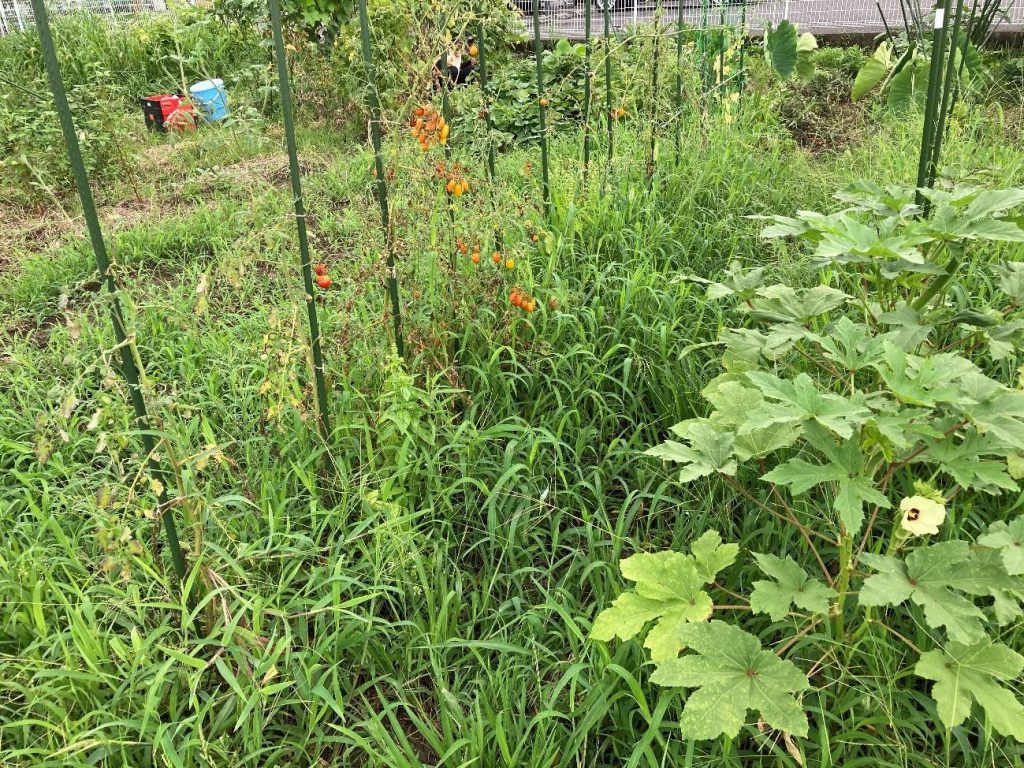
(473, 51)
(510, 263)
(476, 257)
(496, 257)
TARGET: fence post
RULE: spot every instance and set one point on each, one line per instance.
(128, 367)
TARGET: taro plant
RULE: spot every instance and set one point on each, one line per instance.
(870, 413)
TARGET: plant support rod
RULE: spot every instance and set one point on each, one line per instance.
(373, 102)
(129, 369)
(541, 109)
(300, 223)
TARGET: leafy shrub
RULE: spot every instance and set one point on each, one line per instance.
(861, 409)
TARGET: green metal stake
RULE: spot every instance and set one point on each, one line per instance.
(947, 94)
(300, 222)
(679, 80)
(720, 85)
(587, 78)
(703, 47)
(740, 80)
(608, 79)
(931, 106)
(654, 96)
(373, 101)
(541, 109)
(482, 46)
(128, 367)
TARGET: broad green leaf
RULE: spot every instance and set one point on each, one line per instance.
(733, 402)
(780, 303)
(668, 588)
(908, 86)
(927, 578)
(850, 345)
(1008, 538)
(780, 47)
(964, 460)
(1011, 280)
(873, 72)
(974, 673)
(806, 45)
(712, 556)
(732, 674)
(792, 586)
(845, 466)
(709, 450)
(925, 381)
(985, 574)
(800, 400)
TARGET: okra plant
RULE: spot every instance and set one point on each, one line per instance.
(863, 411)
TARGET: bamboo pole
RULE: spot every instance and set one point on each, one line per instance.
(373, 101)
(128, 366)
(315, 341)
(541, 109)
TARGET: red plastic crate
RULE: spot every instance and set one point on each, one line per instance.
(168, 110)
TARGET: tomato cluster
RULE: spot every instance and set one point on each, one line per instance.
(322, 280)
(522, 300)
(427, 126)
(454, 182)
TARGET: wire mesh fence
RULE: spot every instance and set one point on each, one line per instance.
(17, 15)
(565, 18)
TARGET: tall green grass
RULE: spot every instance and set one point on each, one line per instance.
(429, 603)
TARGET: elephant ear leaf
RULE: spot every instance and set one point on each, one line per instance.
(873, 72)
(780, 47)
(732, 673)
(976, 673)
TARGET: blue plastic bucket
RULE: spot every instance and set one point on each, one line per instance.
(211, 98)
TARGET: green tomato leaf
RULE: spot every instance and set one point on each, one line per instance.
(968, 674)
(791, 586)
(927, 578)
(732, 674)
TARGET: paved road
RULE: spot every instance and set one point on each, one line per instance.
(565, 18)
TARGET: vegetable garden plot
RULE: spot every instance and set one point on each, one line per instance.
(857, 412)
